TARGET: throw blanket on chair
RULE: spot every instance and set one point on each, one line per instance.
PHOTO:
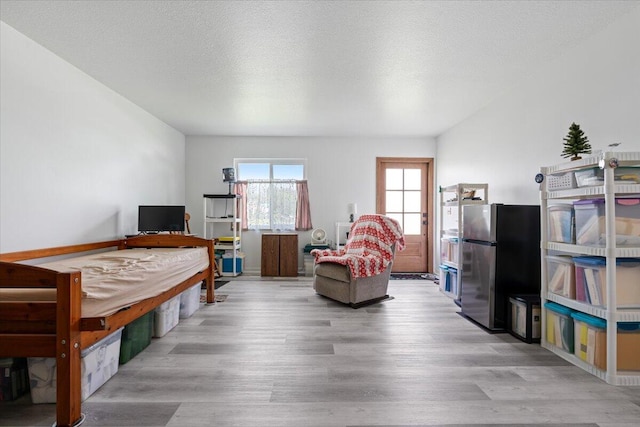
(369, 249)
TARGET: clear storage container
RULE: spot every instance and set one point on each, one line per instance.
(560, 227)
(559, 326)
(591, 342)
(189, 301)
(591, 281)
(166, 317)
(561, 276)
(98, 364)
(590, 222)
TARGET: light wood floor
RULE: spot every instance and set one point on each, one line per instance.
(276, 354)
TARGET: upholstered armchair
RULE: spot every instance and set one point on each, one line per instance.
(358, 274)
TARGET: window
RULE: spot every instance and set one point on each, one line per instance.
(271, 192)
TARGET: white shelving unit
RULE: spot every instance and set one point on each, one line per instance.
(611, 313)
(213, 219)
(452, 200)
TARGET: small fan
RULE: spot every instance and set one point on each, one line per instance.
(318, 237)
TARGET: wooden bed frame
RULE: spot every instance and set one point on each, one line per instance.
(58, 329)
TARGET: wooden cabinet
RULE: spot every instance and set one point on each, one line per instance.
(279, 255)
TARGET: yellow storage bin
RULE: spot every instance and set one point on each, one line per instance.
(559, 328)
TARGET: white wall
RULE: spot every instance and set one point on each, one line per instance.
(596, 84)
(339, 171)
(76, 158)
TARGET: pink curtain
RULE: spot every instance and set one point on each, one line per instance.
(303, 209)
(241, 190)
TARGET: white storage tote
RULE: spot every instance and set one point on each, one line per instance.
(99, 364)
(166, 317)
(189, 301)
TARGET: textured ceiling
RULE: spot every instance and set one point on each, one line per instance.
(374, 68)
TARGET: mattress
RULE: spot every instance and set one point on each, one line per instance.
(118, 279)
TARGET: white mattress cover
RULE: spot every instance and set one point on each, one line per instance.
(117, 279)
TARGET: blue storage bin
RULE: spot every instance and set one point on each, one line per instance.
(448, 279)
(227, 264)
(453, 278)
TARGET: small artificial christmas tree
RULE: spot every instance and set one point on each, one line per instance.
(575, 143)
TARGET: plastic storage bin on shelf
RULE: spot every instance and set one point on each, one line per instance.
(561, 181)
(228, 240)
(595, 176)
(166, 317)
(14, 378)
(559, 326)
(561, 224)
(591, 281)
(449, 249)
(99, 363)
(227, 263)
(136, 336)
(189, 301)
(448, 279)
(590, 222)
(561, 276)
(524, 321)
(591, 342)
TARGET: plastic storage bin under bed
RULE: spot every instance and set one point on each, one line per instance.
(98, 364)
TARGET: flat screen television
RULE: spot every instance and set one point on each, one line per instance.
(155, 219)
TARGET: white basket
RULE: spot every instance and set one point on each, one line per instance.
(562, 181)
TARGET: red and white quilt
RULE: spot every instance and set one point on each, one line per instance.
(369, 249)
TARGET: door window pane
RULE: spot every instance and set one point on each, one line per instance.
(412, 180)
(397, 217)
(394, 201)
(412, 201)
(394, 179)
(411, 224)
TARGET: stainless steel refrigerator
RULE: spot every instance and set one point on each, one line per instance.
(501, 256)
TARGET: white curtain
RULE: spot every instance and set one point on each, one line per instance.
(271, 204)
